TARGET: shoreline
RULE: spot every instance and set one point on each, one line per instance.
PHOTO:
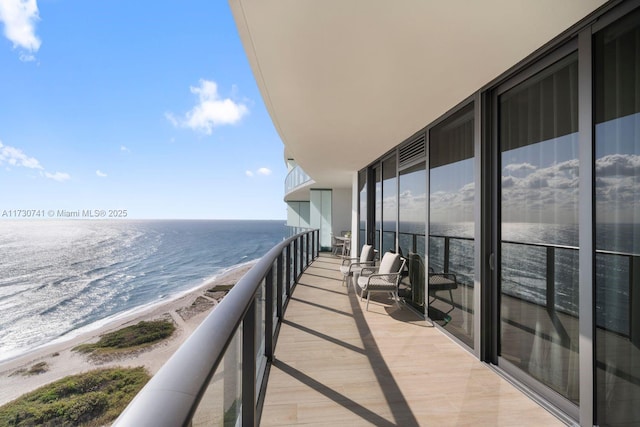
(187, 310)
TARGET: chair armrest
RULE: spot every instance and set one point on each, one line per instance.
(367, 271)
(346, 261)
(363, 265)
(384, 278)
(442, 281)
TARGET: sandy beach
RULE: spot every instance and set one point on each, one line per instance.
(187, 311)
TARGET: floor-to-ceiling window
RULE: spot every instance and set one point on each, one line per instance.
(389, 204)
(533, 221)
(451, 224)
(377, 179)
(412, 214)
(617, 222)
(362, 206)
(538, 227)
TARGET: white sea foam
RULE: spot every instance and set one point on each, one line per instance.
(63, 278)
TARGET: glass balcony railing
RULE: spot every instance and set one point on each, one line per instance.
(296, 178)
(219, 375)
(542, 274)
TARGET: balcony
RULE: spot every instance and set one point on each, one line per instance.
(336, 364)
(295, 180)
(290, 345)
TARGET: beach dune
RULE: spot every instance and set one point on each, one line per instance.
(187, 311)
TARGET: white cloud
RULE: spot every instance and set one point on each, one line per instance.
(12, 156)
(27, 57)
(260, 171)
(58, 176)
(125, 149)
(528, 198)
(264, 171)
(618, 165)
(618, 188)
(211, 111)
(100, 173)
(15, 157)
(519, 167)
(19, 18)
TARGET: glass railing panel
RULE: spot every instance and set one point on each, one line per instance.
(261, 360)
(539, 317)
(274, 310)
(389, 241)
(221, 404)
(284, 275)
(612, 293)
(220, 400)
(567, 281)
(524, 272)
(295, 178)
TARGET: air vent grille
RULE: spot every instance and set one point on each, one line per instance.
(413, 150)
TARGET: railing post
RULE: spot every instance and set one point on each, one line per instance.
(279, 287)
(447, 242)
(268, 315)
(249, 418)
(634, 299)
(288, 269)
(230, 381)
(295, 259)
(551, 279)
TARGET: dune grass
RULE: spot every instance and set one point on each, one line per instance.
(36, 369)
(221, 288)
(93, 398)
(135, 336)
(139, 335)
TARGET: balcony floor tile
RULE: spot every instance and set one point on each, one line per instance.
(337, 364)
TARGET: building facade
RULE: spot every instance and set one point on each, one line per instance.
(519, 174)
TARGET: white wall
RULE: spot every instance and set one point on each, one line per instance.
(341, 210)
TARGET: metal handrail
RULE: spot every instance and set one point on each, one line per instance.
(172, 396)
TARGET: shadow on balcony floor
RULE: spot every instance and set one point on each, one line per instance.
(339, 365)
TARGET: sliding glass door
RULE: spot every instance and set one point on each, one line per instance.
(538, 227)
(617, 222)
(451, 224)
(389, 205)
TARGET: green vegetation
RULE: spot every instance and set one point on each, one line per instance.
(220, 288)
(94, 398)
(141, 334)
(38, 368)
(231, 415)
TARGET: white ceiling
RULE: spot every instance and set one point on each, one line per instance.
(346, 80)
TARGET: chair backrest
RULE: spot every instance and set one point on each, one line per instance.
(390, 263)
(366, 255)
(416, 269)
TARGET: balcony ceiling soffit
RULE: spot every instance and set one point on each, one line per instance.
(345, 81)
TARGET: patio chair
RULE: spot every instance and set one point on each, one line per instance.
(442, 282)
(337, 245)
(385, 279)
(351, 266)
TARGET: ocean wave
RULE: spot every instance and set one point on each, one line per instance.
(64, 279)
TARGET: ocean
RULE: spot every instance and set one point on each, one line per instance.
(61, 277)
(524, 265)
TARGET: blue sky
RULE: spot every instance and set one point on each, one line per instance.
(145, 106)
